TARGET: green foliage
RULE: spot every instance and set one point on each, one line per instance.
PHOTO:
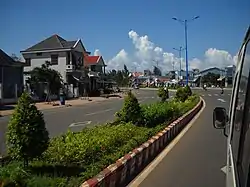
(158, 113)
(131, 110)
(121, 77)
(27, 137)
(181, 94)
(163, 93)
(13, 175)
(188, 90)
(49, 77)
(74, 157)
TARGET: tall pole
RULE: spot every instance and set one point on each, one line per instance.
(186, 47)
(180, 49)
(180, 61)
(185, 22)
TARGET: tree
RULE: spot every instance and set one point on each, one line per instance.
(182, 94)
(157, 71)
(121, 77)
(47, 76)
(131, 110)
(163, 94)
(27, 137)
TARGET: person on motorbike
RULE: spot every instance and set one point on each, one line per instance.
(205, 87)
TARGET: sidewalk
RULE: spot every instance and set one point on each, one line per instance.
(56, 104)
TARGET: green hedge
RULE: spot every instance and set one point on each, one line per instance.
(74, 157)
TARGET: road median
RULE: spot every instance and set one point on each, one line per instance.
(126, 168)
(114, 152)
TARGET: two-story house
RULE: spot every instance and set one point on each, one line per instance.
(96, 71)
(64, 56)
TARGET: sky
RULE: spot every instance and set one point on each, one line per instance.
(133, 32)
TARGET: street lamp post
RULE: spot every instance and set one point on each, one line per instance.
(186, 46)
(179, 50)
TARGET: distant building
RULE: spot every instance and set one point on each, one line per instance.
(147, 72)
(229, 75)
(226, 74)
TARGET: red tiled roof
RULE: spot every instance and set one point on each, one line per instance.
(91, 59)
(137, 74)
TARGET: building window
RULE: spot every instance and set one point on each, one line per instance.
(93, 67)
(27, 62)
(38, 54)
(68, 58)
(54, 59)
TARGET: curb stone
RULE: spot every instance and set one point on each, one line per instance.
(126, 168)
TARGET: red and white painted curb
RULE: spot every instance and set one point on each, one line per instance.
(129, 165)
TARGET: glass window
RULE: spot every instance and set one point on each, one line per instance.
(27, 62)
(54, 59)
(244, 97)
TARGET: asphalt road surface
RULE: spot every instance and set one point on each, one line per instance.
(196, 160)
(60, 120)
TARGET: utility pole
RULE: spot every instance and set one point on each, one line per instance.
(186, 40)
(173, 63)
(179, 51)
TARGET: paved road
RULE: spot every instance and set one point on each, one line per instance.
(197, 158)
(59, 120)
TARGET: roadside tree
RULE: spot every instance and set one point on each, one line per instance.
(27, 137)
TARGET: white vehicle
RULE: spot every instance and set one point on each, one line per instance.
(236, 124)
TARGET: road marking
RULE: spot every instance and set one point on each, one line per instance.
(216, 94)
(209, 95)
(143, 175)
(98, 112)
(78, 124)
(229, 94)
(224, 169)
(222, 100)
(203, 95)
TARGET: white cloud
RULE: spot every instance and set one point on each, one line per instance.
(118, 61)
(97, 52)
(146, 54)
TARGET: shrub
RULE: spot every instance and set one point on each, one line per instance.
(158, 113)
(75, 157)
(131, 110)
(181, 94)
(27, 137)
(163, 94)
(13, 175)
(188, 90)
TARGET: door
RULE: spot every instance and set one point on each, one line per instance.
(236, 172)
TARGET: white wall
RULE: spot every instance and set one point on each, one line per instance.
(37, 61)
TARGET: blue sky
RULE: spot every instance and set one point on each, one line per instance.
(105, 25)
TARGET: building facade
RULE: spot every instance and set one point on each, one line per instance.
(11, 79)
(66, 57)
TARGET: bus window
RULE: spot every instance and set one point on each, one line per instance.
(244, 148)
